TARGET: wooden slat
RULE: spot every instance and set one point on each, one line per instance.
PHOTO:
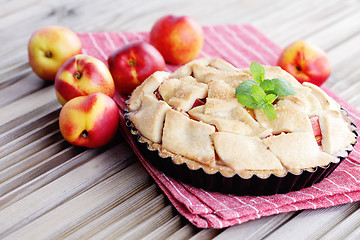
(14, 73)
(208, 233)
(49, 129)
(349, 227)
(337, 56)
(115, 214)
(88, 205)
(27, 105)
(9, 7)
(353, 235)
(22, 126)
(133, 219)
(301, 25)
(18, 192)
(316, 223)
(155, 221)
(37, 169)
(30, 155)
(345, 26)
(257, 229)
(184, 233)
(58, 191)
(167, 229)
(31, 118)
(17, 90)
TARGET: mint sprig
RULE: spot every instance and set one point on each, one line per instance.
(257, 71)
(261, 93)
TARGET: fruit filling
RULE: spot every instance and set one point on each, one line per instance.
(157, 95)
(316, 128)
(198, 102)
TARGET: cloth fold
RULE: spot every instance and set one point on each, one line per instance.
(239, 45)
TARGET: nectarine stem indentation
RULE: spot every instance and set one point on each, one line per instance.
(77, 75)
(132, 63)
(298, 68)
(84, 134)
(48, 54)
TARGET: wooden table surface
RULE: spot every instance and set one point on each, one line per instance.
(50, 189)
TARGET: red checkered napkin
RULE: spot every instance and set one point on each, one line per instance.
(239, 45)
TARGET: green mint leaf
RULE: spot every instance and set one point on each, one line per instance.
(245, 87)
(270, 98)
(269, 111)
(267, 85)
(248, 101)
(282, 87)
(261, 93)
(245, 96)
(257, 71)
(258, 93)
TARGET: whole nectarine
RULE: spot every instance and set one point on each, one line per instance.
(131, 64)
(179, 39)
(90, 121)
(49, 48)
(82, 75)
(306, 62)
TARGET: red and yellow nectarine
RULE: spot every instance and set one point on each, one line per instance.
(306, 62)
(89, 121)
(49, 48)
(82, 75)
(178, 39)
(131, 64)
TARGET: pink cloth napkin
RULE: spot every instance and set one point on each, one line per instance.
(239, 45)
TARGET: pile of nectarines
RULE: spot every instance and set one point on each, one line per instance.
(85, 86)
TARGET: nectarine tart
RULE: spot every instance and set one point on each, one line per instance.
(245, 131)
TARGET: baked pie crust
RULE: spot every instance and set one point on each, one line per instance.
(192, 117)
